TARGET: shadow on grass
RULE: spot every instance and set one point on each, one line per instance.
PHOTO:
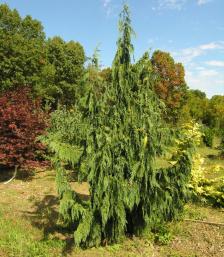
(45, 217)
(7, 173)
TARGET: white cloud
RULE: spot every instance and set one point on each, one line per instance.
(106, 3)
(221, 81)
(202, 2)
(111, 7)
(201, 73)
(212, 45)
(200, 68)
(208, 73)
(176, 4)
(171, 4)
(188, 54)
(215, 63)
(209, 81)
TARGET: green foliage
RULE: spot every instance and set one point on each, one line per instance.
(162, 234)
(208, 136)
(22, 49)
(196, 107)
(205, 190)
(216, 112)
(209, 112)
(53, 67)
(62, 72)
(106, 75)
(111, 139)
(213, 191)
(222, 142)
(172, 191)
(210, 191)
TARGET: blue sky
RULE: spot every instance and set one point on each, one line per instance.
(191, 30)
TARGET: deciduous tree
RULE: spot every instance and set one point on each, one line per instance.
(171, 85)
(22, 49)
(216, 112)
(21, 121)
(63, 72)
(196, 107)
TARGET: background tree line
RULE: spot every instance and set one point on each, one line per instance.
(55, 71)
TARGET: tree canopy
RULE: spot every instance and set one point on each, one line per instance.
(170, 85)
(22, 49)
(63, 71)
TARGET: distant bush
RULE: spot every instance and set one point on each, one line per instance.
(222, 143)
(208, 136)
(21, 121)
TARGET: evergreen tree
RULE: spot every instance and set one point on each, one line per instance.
(112, 140)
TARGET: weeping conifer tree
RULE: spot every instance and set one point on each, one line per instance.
(112, 140)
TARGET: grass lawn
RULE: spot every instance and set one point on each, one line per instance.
(29, 223)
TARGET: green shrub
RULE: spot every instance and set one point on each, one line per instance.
(208, 136)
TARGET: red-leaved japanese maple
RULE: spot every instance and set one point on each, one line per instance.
(21, 121)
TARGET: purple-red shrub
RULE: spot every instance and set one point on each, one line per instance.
(21, 121)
